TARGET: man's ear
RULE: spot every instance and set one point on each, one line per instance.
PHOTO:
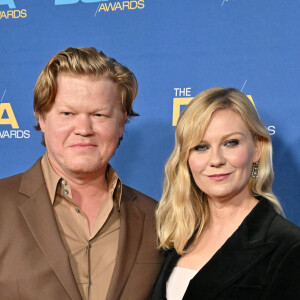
(124, 117)
(42, 122)
(123, 121)
(258, 144)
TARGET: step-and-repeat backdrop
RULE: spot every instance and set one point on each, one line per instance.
(176, 48)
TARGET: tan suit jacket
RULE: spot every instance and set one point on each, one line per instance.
(33, 261)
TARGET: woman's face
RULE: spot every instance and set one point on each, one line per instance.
(221, 163)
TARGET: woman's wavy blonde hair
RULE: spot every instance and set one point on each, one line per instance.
(183, 209)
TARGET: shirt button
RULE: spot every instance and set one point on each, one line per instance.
(90, 245)
(66, 192)
(77, 209)
(90, 282)
(64, 182)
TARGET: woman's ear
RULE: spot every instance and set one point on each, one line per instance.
(258, 143)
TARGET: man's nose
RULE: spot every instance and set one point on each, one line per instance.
(217, 158)
(83, 125)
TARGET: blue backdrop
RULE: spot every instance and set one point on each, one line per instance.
(176, 48)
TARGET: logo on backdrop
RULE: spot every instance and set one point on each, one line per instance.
(64, 2)
(9, 126)
(224, 1)
(107, 5)
(183, 98)
(120, 6)
(11, 12)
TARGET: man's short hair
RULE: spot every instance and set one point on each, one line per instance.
(83, 62)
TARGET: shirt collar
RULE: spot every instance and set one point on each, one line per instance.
(56, 184)
(114, 185)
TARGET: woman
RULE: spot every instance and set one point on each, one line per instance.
(218, 217)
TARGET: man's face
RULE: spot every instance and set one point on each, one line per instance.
(83, 128)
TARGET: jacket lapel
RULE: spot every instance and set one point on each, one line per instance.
(38, 214)
(160, 290)
(244, 249)
(131, 230)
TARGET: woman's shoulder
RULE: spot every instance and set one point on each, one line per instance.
(273, 226)
(283, 230)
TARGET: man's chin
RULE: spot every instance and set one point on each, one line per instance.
(85, 167)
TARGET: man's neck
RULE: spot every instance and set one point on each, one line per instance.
(89, 191)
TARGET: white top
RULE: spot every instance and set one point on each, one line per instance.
(178, 282)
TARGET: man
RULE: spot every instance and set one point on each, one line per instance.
(69, 228)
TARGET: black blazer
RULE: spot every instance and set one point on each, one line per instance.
(261, 260)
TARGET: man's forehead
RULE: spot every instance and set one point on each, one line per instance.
(62, 76)
(64, 80)
(76, 88)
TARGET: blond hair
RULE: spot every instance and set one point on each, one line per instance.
(183, 208)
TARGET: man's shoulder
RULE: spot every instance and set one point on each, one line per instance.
(10, 183)
(9, 197)
(142, 200)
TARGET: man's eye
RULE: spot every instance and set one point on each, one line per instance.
(232, 143)
(66, 113)
(201, 148)
(98, 115)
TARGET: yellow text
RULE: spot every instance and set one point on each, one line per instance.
(11, 119)
(129, 5)
(178, 102)
(13, 14)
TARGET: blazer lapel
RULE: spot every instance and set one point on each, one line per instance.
(244, 249)
(131, 230)
(160, 290)
(38, 214)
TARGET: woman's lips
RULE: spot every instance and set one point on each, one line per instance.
(219, 177)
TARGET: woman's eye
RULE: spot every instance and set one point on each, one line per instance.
(232, 143)
(66, 113)
(201, 148)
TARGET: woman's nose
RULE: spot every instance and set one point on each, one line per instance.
(216, 158)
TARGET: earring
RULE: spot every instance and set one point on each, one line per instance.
(254, 172)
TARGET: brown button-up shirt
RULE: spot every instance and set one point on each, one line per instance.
(92, 254)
